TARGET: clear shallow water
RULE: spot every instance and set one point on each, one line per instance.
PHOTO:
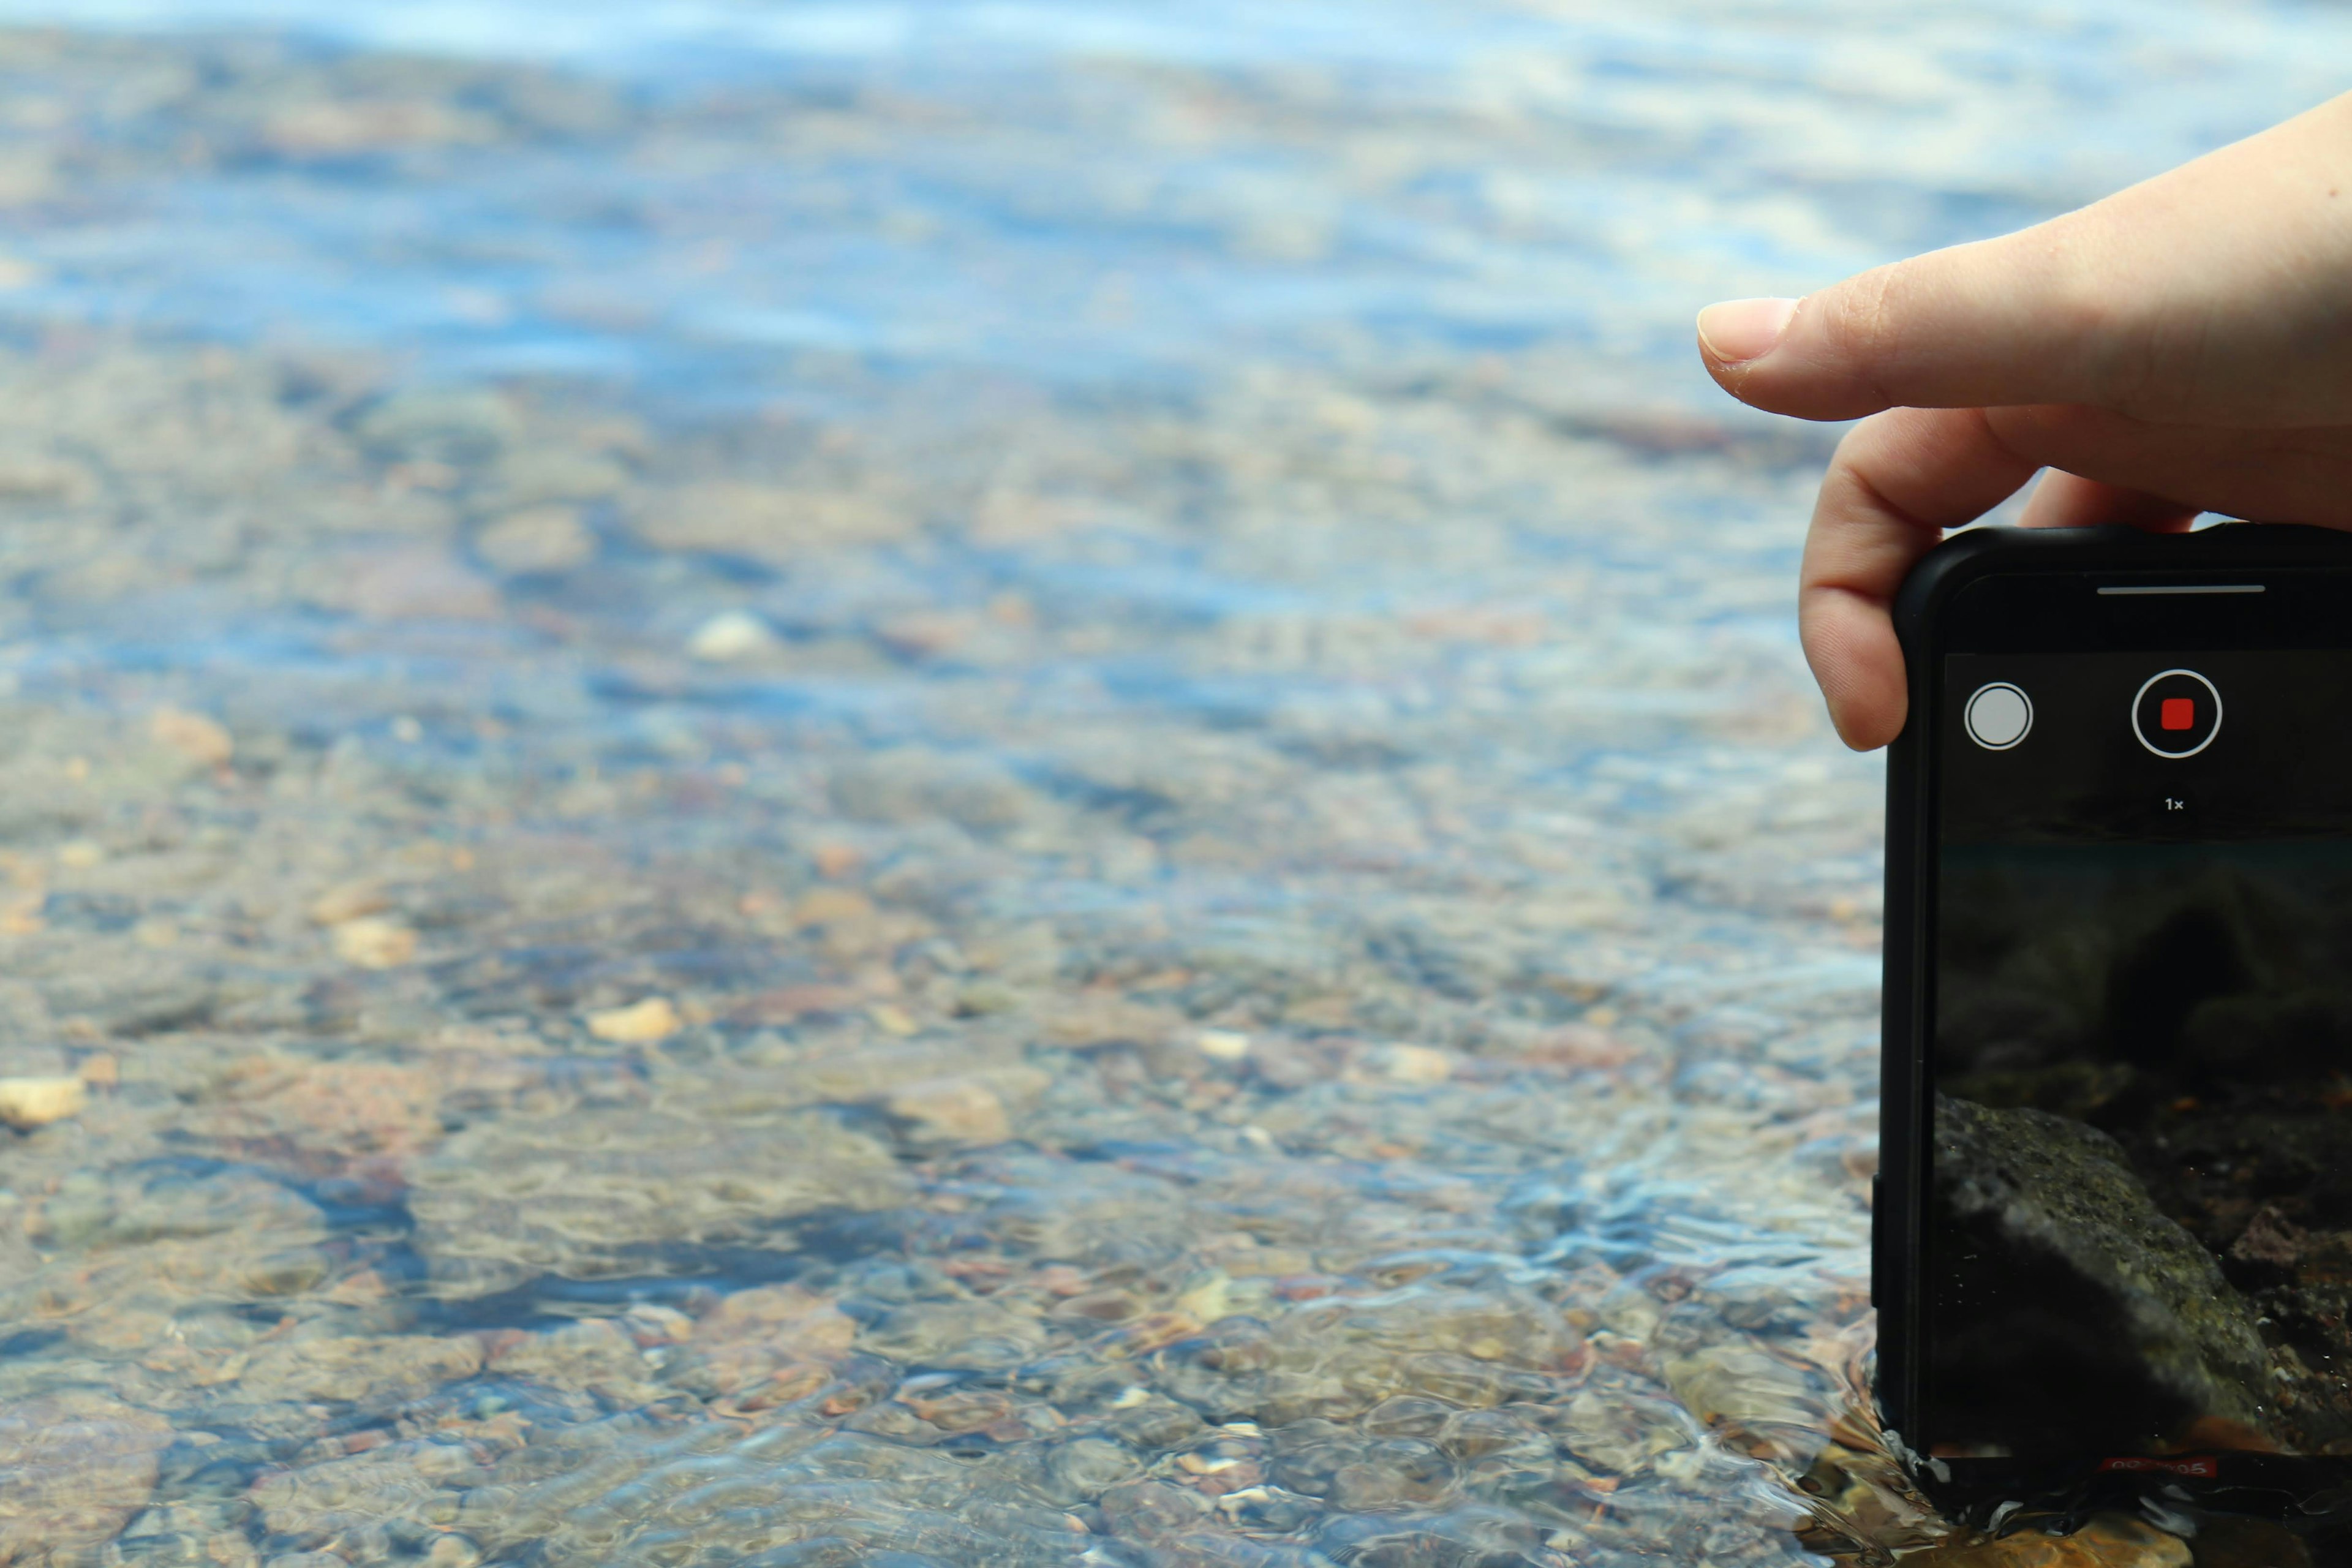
(1008, 783)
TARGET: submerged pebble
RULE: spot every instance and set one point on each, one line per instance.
(373, 944)
(26, 1103)
(638, 1024)
(734, 634)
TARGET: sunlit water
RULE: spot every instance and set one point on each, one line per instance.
(1013, 784)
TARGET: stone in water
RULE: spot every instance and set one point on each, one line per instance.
(641, 1023)
(29, 1102)
(724, 638)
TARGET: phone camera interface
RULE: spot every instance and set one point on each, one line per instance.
(2138, 1203)
(2176, 713)
(1999, 716)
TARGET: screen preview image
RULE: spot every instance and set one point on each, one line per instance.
(2139, 1229)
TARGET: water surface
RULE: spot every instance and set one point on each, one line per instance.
(1004, 783)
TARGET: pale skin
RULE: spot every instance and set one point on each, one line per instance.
(2184, 347)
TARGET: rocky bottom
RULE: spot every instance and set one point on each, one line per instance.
(853, 953)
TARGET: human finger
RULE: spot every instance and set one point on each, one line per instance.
(1899, 480)
(2211, 292)
(2069, 501)
(2278, 475)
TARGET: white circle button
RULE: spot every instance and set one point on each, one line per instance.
(1997, 716)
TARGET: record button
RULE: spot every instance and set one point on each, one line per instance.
(2176, 713)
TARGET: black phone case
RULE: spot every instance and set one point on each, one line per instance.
(1899, 1192)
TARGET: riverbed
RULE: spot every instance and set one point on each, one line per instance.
(959, 783)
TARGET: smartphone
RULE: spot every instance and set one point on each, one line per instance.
(2112, 1240)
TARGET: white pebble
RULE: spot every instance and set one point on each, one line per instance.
(1223, 1045)
(736, 633)
(29, 1102)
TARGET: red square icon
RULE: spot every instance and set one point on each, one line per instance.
(2177, 714)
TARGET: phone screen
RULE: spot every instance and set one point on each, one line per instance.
(2138, 1182)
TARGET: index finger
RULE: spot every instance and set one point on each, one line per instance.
(1898, 480)
(2210, 295)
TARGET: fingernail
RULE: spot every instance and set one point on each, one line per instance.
(1739, 330)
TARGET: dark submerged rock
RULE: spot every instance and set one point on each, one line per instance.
(2080, 1316)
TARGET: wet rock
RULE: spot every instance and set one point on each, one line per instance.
(355, 1369)
(371, 942)
(331, 1117)
(1091, 1022)
(412, 585)
(649, 1323)
(1151, 1421)
(590, 1191)
(93, 1209)
(1228, 1460)
(1153, 1511)
(327, 130)
(1465, 1534)
(349, 901)
(912, 784)
(1473, 1436)
(1392, 1473)
(1467, 1347)
(638, 1024)
(457, 425)
(26, 1103)
(78, 1465)
(201, 740)
(733, 634)
(1622, 1429)
(982, 998)
(771, 522)
(955, 1110)
(387, 1497)
(975, 1335)
(2077, 1289)
(144, 1547)
(1082, 1468)
(1221, 1044)
(969, 1108)
(2107, 1542)
(537, 539)
(453, 1552)
(2269, 1248)
(1407, 1415)
(1745, 1389)
(535, 474)
(142, 999)
(1308, 1454)
(1269, 1509)
(764, 1346)
(1413, 1064)
(597, 1357)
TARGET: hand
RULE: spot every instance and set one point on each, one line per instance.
(2183, 346)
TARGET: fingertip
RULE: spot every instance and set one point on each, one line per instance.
(1732, 332)
(1850, 644)
(1866, 720)
(1869, 731)
(1778, 354)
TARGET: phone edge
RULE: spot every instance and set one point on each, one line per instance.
(1906, 991)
